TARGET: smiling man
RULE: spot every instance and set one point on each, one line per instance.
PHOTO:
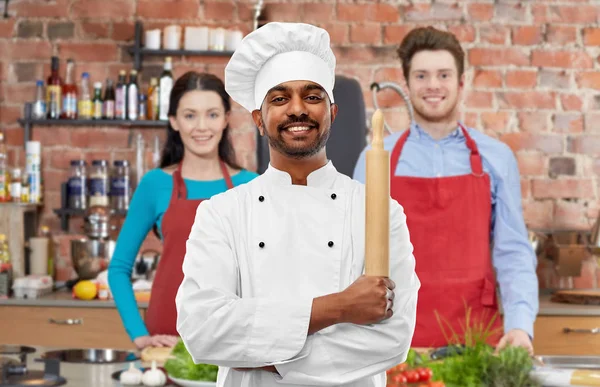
(461, 193)
(273, 289)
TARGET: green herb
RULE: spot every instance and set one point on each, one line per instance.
(181, 366)
(510, 368)
(464, 370)
(477, 364)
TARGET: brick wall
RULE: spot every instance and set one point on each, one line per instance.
(533, 80)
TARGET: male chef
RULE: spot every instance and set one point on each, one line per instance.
(273, 290)
(460, 190)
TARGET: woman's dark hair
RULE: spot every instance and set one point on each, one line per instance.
(173, 150)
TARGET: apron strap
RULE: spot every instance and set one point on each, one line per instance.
(179, 189)
(395, 157)
(226, 175)
(476, 164)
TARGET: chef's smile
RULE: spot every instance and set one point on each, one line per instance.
(296, 117)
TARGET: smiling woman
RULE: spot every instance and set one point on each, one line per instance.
(198, 162)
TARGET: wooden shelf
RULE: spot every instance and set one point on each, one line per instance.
(137, 51)
(71, 212)
(122, 123)
(21, 204)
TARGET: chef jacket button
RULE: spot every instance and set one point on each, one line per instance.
(261, 244)
(261, 198)
(333, 196)
(330, 244)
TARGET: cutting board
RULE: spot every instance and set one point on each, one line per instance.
(580, 297)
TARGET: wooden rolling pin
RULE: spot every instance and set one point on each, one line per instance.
(377, 205)
(566, 377)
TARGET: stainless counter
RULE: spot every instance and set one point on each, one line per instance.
(80, 375)
(548, 308)
(63, 298)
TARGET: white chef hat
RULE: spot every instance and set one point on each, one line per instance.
(277, 53)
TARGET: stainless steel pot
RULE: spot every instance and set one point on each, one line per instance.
(91, 256)
(94, 356)
(98, 222)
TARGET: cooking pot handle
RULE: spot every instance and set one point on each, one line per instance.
(69, 321)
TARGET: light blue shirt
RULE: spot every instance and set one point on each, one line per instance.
(512, 255)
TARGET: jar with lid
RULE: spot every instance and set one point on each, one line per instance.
(98, 183)
(120, 186)
(15, 185)
(77, 185)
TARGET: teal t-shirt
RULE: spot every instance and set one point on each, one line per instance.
(147, 208)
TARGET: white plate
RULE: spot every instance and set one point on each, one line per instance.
(192, 383)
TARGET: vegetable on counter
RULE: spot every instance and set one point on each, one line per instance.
(131, 377)
(154, 377)
(181, 366)
(467, 362)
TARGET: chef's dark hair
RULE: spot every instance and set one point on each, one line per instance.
(173, 150)
(429, 38)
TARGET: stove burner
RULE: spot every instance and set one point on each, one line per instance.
(16, 374)
(15, 349)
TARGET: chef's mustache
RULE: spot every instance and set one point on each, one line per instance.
(303, 119)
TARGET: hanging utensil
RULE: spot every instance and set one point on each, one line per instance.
(375, 87)
(139, 158)
(258, 8)
(156, 152)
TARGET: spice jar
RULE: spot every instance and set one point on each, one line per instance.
(98, 183)
(120, 186)
(15, 185)
(76, 186)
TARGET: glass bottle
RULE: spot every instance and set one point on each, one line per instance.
(97, 103)
(85, 101)
(54, 91)
(121, 97)
(109, 100)
(153, 100)
(39, 106)
(165, 86)
(132, 96)
(69, 91)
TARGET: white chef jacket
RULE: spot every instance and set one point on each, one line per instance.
(256, 257)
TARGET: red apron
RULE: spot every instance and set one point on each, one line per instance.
(449, 221)
(161, 316)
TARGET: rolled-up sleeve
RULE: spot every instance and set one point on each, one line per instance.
(345, 353)
(216, 325)
(513, 257)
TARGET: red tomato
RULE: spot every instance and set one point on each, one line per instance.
(425, 374)
(399, 378)
(401, 367)
(412, 376)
